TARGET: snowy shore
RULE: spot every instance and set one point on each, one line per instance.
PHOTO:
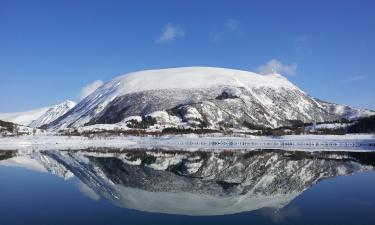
(362, 142)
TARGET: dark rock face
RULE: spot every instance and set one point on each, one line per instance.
(226, 95)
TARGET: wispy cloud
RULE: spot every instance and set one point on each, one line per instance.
(353, 78)
(87, 191)
(231, 25)
(276, 66)
(278, 216)
(302, 38)
(217, 35)
(302, 43)
(89, 89)
(170, 33)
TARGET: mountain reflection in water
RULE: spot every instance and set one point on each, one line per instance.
(194, 183)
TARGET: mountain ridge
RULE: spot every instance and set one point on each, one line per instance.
(216, 98)
(53, 113)
(38, 117)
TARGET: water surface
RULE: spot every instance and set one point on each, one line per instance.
(136, 186)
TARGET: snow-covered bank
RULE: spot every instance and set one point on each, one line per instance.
(363, 142)
(62, 143)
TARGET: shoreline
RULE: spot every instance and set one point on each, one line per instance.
(192, 142)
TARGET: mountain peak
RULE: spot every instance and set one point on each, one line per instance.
(53, 113)
(68, 103)
(192, 78)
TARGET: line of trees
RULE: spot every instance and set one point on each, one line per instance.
(363, 125)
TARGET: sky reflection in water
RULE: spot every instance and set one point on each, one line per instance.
(176, 187)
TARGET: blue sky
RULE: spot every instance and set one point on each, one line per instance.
(49, 50)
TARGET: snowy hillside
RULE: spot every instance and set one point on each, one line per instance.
(24, 118)
(11, 129)
(53, 113)
(202, 97)
(38, 117)
(346, 111)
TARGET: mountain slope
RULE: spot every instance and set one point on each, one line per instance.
(202, 97)
(38, 117)
(53, 113)
(24, 118)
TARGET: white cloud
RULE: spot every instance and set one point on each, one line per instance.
(89, 88)
(229, 27)
(279, 216)
(276, 66)
(87, 191)
(217, 35)
(170, 33)
(354, 78)
(302, 44)
(231, 24)
(302, 38)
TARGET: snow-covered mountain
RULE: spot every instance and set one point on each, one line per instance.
(53, 113)
(202, 97)
(38, 117)
(24, 118)
(196, 183)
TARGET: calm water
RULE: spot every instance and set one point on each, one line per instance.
(174, 187)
